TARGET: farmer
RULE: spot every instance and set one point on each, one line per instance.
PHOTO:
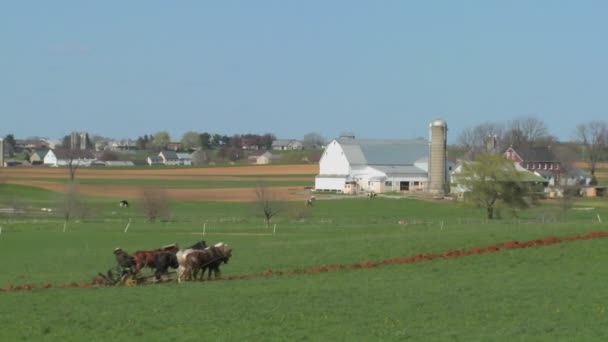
(125, 262)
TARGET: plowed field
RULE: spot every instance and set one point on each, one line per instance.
(35, 177)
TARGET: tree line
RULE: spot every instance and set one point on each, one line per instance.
(589, 140)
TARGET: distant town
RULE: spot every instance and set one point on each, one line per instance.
(193, 149)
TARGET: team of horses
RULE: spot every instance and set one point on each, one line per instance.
(188, 262)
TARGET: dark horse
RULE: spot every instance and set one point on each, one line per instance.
(147, 258)
(164, 260)
(202, 259)
(221, 254)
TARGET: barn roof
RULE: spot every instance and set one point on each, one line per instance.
(537, 154)
(384, 152)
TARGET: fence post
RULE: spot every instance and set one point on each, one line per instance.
(128, 224)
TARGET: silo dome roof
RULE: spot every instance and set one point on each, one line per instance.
(439, 122)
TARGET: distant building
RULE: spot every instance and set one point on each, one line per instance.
(287, 144)
(264, 158)
(353, 165)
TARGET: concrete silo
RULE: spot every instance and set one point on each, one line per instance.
(438, 132)
(1, 152)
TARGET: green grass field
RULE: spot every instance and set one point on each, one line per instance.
(541, 294)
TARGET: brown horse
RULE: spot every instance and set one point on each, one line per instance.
(221, 254)
(197, 260)
(146, 258)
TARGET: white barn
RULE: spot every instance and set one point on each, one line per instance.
(352, 165)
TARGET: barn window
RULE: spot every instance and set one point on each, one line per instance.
(416, 183)
(388, 183)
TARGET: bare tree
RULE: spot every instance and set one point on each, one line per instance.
(73, 205)
(266, 202)
(155, 204)
(483, 138)
(313, 140)
(594, 138)
(525, 131)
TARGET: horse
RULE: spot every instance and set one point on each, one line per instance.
(199, 245)
(146, 258)
(221, 253)
(162, 262)
(192, 262)
(182, 253)
(124, 203)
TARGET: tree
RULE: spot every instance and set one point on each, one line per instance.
(593, 137)
(66, 142)
(266, 202)
(483, 138)
(525, 132)
(265, 141)
(200, 157)
(191, 140)
(313, 140)
(492, 179)
(155, 204)
(161, 140)
(10, 143)
(205, 140)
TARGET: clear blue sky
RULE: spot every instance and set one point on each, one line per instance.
(381, 69)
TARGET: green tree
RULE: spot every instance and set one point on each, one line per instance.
(491, 179)
(161, 139)
(190, 140)
(205, 140)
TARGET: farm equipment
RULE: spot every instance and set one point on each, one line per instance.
(129, 279)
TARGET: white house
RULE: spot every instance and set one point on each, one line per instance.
(184, 158)
(51, 159)
(264, 158)
(169, 157)
(287, 144)
(353, 165)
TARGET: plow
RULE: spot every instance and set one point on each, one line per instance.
(128, 279)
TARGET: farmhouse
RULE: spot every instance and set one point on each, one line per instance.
(543, 162)
(525, 176)
(287, 144)
(351, 165)
(37, 157)
(264, 158)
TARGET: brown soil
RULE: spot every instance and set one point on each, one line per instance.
(509, 245)
(23, 176)
(130, 192)
(180, 173)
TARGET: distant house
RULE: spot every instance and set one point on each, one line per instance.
(526, 176)
(249, 144)
(154, 160)
(543, 162)
(169, 157)
(287, 144)
(119, 163)
(30, 144)
(37, 158)
(59, 157)
(184, 158)
(264, 158)
(174, 146)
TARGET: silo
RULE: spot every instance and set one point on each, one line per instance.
(438, 131)
(1, 152)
